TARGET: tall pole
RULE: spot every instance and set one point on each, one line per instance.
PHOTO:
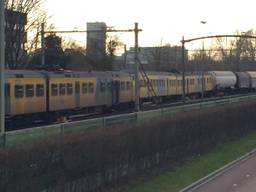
(125, 56)
(2, 65)
(136, 68)
(202, 66)
(183, 69)
(42, 45)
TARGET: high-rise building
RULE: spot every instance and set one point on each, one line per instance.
(96, 40)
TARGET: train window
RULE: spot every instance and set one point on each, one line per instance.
(109, 86)
(39, 90)
(62, 89)
(18, 89)
(102, 87)
(91, 88)
(122, 86)
(128, 85)
(154, 82)
(69, 89)
(141, 83)
(85, 88)
(54, 89)
(30, 90)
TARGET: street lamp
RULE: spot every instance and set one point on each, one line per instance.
(202, 66)
(2, 65)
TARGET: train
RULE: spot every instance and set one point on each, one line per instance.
(49, 95)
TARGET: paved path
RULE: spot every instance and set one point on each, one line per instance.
(241, 178)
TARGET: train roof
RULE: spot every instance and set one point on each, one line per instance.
(31, 74)
(22, 73)
(222, 73)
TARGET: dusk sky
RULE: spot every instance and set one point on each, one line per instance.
(165, 20)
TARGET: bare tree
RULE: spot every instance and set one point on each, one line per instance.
(26, 13)
(237, 53)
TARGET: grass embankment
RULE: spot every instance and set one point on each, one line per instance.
(198, 167)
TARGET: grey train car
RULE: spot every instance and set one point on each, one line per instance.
(243, 80)
(252, 75)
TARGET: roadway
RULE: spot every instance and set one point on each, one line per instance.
(240, 178)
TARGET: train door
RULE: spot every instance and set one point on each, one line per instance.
(77, 94)
(7, 99)
(115, 92)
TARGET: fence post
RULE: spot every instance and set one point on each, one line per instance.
(2, 141)
(103, 122)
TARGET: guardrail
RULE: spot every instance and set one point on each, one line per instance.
(27, 135)
(197, 184)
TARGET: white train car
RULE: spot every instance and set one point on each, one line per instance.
(223, 79)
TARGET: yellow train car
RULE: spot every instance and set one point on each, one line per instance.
(78, 90)
(87, 96)
(123, 87)
(190, 84)
(158, 81)
(172, 85)
(61, 87)
(193, 84)
(25, 92)
(208, 83)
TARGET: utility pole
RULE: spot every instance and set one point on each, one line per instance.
(125, 56)
(136, 69)
(42, 46)
(183, 69)
(203, 82)
(2, 66)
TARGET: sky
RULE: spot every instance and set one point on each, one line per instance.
(162, 21)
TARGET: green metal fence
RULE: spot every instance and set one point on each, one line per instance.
(33, 134)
